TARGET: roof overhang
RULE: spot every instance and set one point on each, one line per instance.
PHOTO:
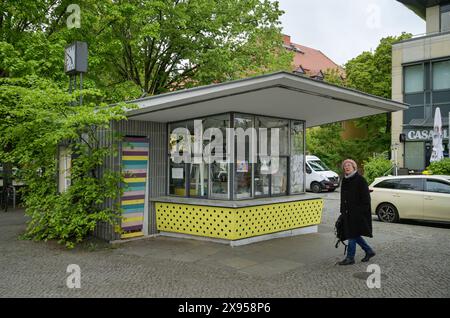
(279, 94)
(420, 6)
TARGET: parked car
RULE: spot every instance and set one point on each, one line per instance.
(419, 197)
(319, 177)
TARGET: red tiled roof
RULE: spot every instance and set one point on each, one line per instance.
(311, 60)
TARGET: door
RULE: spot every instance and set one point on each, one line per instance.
(415, 155)
(409, 195)
(134, 198)
(406, 194)
(437, 200)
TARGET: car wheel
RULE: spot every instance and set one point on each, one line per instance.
(388, 213)
(315, 187)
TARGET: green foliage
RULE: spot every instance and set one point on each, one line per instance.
(440, 167)
(136, 48)
(369, 72)
(35, 118)
(376, 166)
(141, 48)
(319, 141)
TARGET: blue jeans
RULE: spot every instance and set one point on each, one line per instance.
(352, 246)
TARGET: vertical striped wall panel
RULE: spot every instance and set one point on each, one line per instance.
(157, 183)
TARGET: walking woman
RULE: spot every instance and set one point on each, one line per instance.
(355, 208)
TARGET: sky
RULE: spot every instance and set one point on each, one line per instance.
(342, 29)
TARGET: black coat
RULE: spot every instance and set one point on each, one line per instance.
(355, 207)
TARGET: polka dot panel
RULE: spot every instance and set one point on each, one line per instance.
(237, 223)
(216, 222)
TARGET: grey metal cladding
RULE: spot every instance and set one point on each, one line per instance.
(157, 135)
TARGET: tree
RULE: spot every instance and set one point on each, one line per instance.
(35, 118)
(136, 48)
(144, 47)
(369, 72)
(161, 46)
(372, 73)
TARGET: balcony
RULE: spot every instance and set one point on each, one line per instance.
(420, 6)
(423, 36)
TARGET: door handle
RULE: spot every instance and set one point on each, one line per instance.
(396, 195)
(428, 198)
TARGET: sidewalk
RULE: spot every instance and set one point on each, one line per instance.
(414, 261)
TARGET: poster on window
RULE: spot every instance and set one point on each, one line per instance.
(177, 173)
(242, 166)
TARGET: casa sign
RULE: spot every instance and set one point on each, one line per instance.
(422, 134)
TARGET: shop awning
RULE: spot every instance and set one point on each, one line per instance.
(279, 94)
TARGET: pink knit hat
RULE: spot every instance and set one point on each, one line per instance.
(352, 162)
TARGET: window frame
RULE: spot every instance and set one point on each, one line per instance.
(423, 78)
(422, 181)
(293, 153)
(398, 181)
(437, 181)
(433, 62)
(442, 10)
(231, 196)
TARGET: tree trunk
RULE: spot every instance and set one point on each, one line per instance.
(388, 129)
(7, 183)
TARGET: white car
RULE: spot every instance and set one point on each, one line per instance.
(422, 197)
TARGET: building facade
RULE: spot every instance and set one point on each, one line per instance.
(421, 78)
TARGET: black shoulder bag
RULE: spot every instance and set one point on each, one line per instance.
(339, 231)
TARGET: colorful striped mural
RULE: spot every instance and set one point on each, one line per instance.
(134, 165)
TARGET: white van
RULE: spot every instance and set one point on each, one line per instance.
(319, 177)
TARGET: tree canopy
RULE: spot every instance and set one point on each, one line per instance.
(144, 47)
(136, 48)
(369, 72)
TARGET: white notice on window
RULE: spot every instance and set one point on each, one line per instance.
(177, 173)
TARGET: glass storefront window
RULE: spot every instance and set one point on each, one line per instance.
(221, 122)
(297, 158)
(251, 176)
(219, 180)
(279, 178)
(198, 182)
(413, 76)
(262, 179)
(283, 129)
(219, 169)
(243, 172)
(441, 75)
(177, 179)
(177, 170)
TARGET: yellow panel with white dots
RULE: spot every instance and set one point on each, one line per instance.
(237, 223)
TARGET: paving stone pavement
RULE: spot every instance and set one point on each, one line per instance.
(414, 258)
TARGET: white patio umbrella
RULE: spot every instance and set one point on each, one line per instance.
(438, 149)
